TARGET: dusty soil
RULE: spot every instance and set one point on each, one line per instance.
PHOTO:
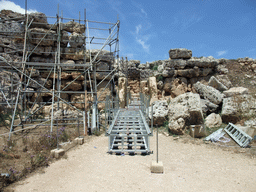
(241, 76)
(28, 151)
(189, 165)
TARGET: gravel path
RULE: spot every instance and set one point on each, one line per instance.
(187, 167)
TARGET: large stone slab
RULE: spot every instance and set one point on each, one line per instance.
(217, 84)
(180, 53)
(73, 26)
(236, 91)
(209, 93)
(224, 80)
(238, 107)
(160, 112)
(184, 109)
(42, 36)
(176, 63)
(204, 62)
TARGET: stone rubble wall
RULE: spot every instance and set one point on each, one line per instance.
(42, 40)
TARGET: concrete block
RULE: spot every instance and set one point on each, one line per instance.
(157, 167)
(57, 153)
(79, 141)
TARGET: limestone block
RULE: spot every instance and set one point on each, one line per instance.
(204, 62)
(79, 141)
(224, 80)
(215, 83)
(57, 153)
(236, 91)
(209, 93)
(73, 26)
(180, 53)
(122, 91)
(213, 120)
(236, 107)
(160, 112)
(76, 40)
(184, 109)
(153, 91)
(35, 35)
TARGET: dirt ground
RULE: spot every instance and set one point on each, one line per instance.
(189, 165)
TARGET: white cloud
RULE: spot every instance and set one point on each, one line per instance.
(140, 38)
(9, 5)
(144, 12)
(138, 28)
(143, 44)
(220, 53)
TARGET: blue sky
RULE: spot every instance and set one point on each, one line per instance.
(149, 28)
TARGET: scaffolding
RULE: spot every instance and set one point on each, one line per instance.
(47, 52)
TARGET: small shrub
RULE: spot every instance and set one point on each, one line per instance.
(159, 78)
(155, 68)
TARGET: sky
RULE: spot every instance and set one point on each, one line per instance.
(150, 28)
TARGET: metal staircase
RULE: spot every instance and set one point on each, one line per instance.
(129, 131)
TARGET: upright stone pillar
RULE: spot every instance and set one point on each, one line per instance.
(122, 91)
(152, 89)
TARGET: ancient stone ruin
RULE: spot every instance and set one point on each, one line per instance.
(185, 91)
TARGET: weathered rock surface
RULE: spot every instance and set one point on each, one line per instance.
(36, 34)
(77, 76)
(153, 91)
(9, 14)
(224, 80)
(160, 85)
(189, 73)
(213, 120)
(122, 91)
(209, 93)
(103, 55)
(144, 87)
(145, 74)
(133, 73)
(160, 112)
(39, 20)
(73, 53)
(179, 86)
(221, 69)
(180, 53)
(73, 26)
(76, 40)
(184, 109)
(74, 86)
(237, 107)
(208, 106)
(175, 63)
(204, 62)
(169, 72)
(77, 97)
(215, 83)
(236, 91)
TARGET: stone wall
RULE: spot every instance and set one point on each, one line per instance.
(41, 47)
